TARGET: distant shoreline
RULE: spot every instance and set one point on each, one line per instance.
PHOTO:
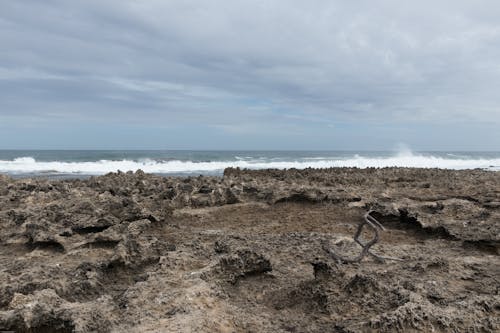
(82, 164)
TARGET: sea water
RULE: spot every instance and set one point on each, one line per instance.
(80, 163)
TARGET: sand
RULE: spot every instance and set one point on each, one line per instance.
(132, 252)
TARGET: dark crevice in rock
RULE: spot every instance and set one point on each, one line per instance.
(101, 244)
(152, 218)
(409, 223)
(52, 246)
(205, 189)
(300, 198)
(467, 198)
(90, 230)
(486, 246)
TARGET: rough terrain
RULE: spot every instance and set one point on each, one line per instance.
(131, 252)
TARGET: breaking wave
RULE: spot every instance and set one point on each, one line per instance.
(29, 165)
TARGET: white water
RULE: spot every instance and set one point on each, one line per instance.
(26, 165)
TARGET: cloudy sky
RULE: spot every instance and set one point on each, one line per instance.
(253, 74)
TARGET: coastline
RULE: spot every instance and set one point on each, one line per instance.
(243, 252)
(79, 164)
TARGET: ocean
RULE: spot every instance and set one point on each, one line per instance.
(84, 163)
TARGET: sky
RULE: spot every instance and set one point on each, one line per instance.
(236, 74)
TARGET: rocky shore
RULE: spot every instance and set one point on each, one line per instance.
(133, 252)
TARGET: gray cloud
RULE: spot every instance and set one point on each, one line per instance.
(250, 66)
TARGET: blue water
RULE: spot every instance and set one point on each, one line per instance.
(173, 162)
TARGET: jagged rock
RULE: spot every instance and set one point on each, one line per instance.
(243, 263)
(201, 200)
(46, 311)
(137, 252)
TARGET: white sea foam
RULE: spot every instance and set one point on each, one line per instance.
(26, 165)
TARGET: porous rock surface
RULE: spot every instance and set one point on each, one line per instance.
(132, 252)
